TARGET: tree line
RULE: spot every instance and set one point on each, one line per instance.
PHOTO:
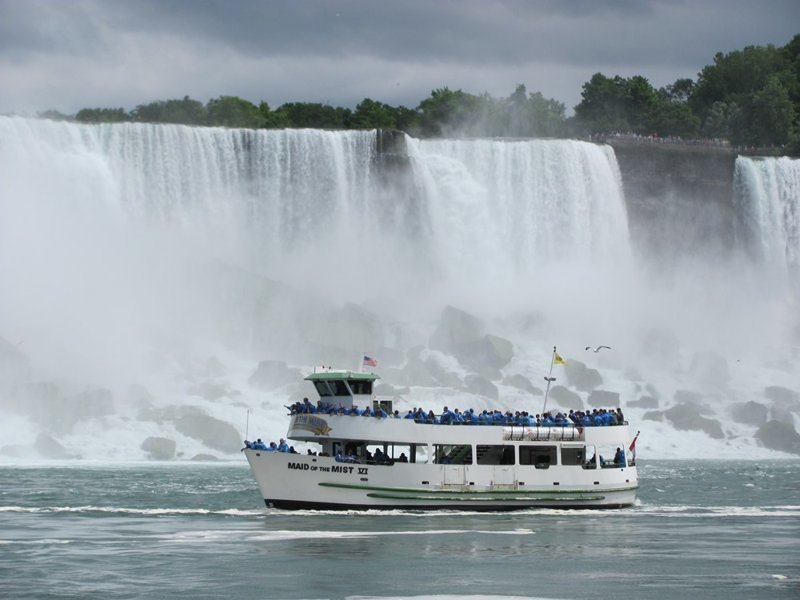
(748, 97)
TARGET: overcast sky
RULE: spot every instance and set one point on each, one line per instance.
(71, 54)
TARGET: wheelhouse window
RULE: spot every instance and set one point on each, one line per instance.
(540, 456)
(335, 387)
(495, 455)
(360, 387)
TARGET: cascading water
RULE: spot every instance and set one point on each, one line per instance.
(134, 254)
(516, 220)
(768, 201)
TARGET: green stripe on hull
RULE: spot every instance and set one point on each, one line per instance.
(475, 498)
(469, 492)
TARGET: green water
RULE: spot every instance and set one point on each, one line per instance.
(706, 529)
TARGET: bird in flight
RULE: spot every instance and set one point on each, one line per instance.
(597, 349)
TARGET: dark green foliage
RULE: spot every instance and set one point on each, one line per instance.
(450, 113)
(102, 115)
(184, 112)
(320, 116)
(230, 111)
(751, 96)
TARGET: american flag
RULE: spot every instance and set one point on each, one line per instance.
(369, 361)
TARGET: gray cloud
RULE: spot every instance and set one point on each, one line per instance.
(68, 54)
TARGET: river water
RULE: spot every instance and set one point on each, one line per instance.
(708, 529)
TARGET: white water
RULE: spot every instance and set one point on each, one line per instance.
(768, 194)
(134, 254)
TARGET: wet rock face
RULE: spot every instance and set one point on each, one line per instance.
(215, 434)
(159, 448)
(566, 398)
(779, 435)
(456, 327)
(481, 386)
(581, 377)
(48, 447)
(603, 399)
(523, 383)
(752, 413)
(271, 374)
(644, 402)
(687, 417)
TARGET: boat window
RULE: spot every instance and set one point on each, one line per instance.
(541, 456)
(495, 455)
(447, 454)
(402, 453)
(324, 388)
(341, 388)
(360, 387)
(590, 457)
(572, 456)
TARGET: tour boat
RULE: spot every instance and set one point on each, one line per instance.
(392, 462)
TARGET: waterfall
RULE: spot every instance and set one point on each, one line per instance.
(523, 203)
(134, 253)
(768, 202)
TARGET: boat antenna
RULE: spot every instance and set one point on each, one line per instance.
(247, 426)
(549, 378)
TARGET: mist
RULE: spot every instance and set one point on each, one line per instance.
(146, 271)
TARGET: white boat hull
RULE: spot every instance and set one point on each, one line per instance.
(296, 481)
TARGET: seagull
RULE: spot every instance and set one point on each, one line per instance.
(597, 349)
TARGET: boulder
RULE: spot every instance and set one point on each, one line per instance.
(653, 415)
(455, 328)
(779, 435)
(159, 448)
(204, 458)
(687, 417)
(603, 399)
(750, 413)
(523, 383)
(48, 447)
(490, 350)
(216, 434)
(565, 398)
(777, 393)
(272, 374)
(481, 386)
(581, 377)
(644, 402)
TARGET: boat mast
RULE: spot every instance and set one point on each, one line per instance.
(549, 379)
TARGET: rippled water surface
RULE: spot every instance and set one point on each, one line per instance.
(702, 529)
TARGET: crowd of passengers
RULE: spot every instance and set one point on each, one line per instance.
(589, 418)
(282, 446)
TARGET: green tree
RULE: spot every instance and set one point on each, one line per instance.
(273, 119)
(771, 115)
(449, 112)
(231, 111)
(370, 114)
(185, 112)
(102, 115)
(315, 115)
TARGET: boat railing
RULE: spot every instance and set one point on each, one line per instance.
(543, 434)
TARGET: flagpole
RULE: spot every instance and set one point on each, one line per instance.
(549, 379)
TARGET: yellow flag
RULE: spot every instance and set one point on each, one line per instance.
(558, 360)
